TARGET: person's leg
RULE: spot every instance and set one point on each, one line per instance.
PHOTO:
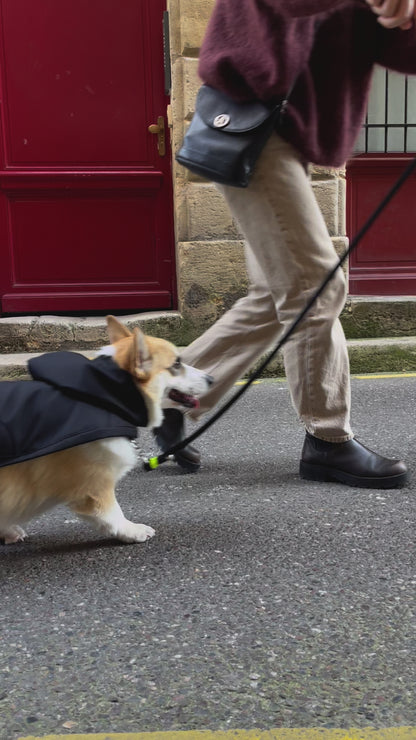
(289, 253)
(235, 341)
(284, 227)
(228, 348)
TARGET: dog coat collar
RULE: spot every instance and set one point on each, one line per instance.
(100, 382)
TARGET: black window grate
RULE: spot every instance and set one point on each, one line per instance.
(390, 124)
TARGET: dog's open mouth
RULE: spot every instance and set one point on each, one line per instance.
(183, 399)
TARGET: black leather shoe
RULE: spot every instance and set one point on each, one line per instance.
(171, 433)
(350, 463)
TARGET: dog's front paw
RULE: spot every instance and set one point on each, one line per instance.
(136, 533)
(13, 534)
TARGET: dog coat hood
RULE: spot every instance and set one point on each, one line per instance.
(71, 400)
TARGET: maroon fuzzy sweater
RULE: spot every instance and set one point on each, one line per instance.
(257, 49)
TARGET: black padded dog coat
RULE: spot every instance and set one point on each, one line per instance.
(71, 400)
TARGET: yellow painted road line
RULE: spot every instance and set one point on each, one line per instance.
(372, 376)
(313, 733)
(385, 375)
(255, 382)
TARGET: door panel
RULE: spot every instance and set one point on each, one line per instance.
(86, 199)
(384, 263)
(76, 70)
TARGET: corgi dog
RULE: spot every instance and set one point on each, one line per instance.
(66, 436)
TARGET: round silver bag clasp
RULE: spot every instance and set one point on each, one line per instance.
(222, 120)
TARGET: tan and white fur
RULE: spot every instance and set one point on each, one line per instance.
(84, 477)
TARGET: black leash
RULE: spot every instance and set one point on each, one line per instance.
(154, 462)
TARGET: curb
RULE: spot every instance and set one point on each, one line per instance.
(397, 355)
(391, 733)
(51, 333)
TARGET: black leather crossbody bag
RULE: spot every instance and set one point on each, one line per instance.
(225, 139)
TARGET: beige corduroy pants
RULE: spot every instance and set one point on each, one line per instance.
(288, 254)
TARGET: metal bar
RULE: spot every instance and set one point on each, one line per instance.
(406, 97)
(166, 52)
(386, 110)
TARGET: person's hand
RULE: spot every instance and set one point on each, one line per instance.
(394, 13)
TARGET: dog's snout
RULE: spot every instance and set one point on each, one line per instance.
(209, 379)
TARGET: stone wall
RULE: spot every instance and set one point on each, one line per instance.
(210, 259)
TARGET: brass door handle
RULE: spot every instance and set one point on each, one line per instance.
(159, 129)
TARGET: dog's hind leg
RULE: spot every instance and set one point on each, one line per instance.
(105, 513)
(12, 534)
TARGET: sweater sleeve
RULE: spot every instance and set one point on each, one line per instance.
(396, 49)
(254, 50)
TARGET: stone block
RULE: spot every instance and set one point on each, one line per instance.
(386, 356)
(173, 6)
(342, 206)
(324, 173)
(191, 84)
(326, 193)
(186, 83)
(341, 245)
(194, 15)
(48, 330)
(16, 333)
(212, 277)
(208, 215)
(379, 317)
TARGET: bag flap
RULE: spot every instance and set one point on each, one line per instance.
(220, 112)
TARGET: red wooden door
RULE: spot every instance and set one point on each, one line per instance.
(384, 263)
(86, 221)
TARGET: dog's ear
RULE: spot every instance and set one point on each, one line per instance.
(116, 330)
(143, 360)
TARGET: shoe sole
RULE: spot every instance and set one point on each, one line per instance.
(185, 463)
(323, 474)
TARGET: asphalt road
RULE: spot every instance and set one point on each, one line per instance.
(263, 601)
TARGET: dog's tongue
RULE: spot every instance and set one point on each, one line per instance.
(182, 398)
